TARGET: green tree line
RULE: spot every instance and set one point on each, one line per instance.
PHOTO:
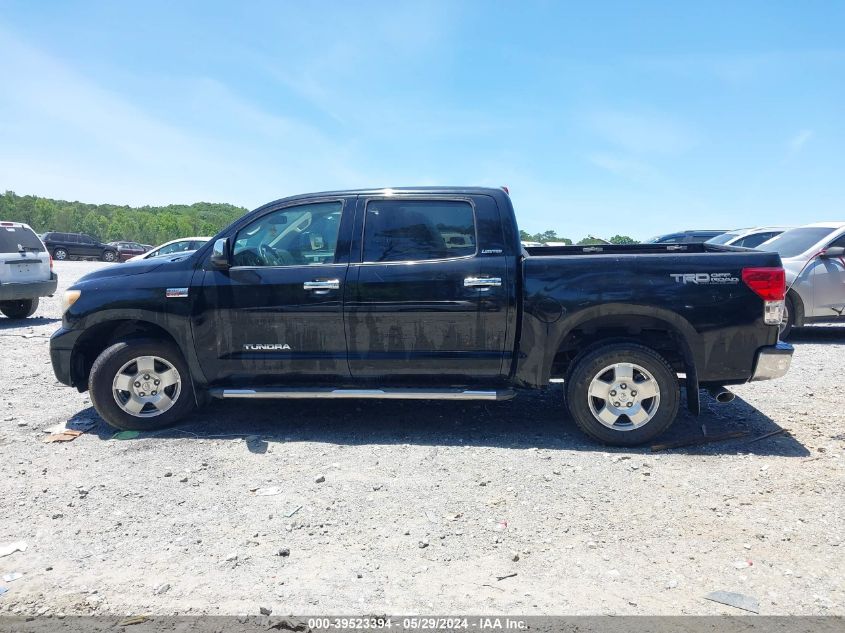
(155, 225)
(111, 222)
(552, 236)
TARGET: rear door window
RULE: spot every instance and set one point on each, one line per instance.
(416, 230)
(14, 239)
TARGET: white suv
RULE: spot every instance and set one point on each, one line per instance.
(26, 270)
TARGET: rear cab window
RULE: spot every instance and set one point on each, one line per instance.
(14, 239)
(418, 230)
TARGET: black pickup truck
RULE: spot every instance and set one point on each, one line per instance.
(422, 293)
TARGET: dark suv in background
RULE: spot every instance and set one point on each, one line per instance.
(78, 245)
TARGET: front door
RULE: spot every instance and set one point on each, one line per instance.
(424, 303)
(275, 317)
(88, 247)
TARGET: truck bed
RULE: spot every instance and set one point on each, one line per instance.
(632, 249)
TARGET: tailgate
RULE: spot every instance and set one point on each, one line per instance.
(18, 268)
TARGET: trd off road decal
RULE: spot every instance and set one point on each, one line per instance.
(703, 279)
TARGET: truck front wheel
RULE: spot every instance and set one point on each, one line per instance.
(141, 385)
(623, 394)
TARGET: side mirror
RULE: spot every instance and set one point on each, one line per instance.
(833, 252)
(220, 254)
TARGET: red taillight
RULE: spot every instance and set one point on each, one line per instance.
(768, 283)
(506, 190)
(51, 261)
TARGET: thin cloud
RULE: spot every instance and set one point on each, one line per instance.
(639, 133)
(797, 142)
(66, 135)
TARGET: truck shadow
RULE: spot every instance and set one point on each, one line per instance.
(818, 334)
(532, 420)
(23, 324)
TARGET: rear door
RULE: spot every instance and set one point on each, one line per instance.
(427, 297)
(276, 316)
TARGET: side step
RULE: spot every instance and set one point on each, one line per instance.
(395, 394)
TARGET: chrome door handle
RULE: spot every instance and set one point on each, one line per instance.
(482, 282)
(328, 284)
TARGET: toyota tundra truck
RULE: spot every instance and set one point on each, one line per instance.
(421, 293)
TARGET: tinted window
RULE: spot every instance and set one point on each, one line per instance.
(176, 247)
(839, 241)
(755, 240)
(724, 238)
(793, 243)
(406, 230)
(293, 236)
(85, 239)
(72, 238)
(17, 238)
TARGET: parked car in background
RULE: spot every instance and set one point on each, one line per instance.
(78, 246)
(748, 238)
(684, 237)
(128, 250)
(26, 270)
(814, 259)
(182, 245)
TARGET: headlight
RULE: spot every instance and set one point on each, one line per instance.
(69, 298)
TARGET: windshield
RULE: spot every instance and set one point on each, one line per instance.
(724, 238)
(793, 243)
(14, 239)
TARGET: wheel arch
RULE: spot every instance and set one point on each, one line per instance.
(664, 331)
(102, 335)
(798, 304)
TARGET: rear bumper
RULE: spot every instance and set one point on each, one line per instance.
(772, 361)
(29, 290)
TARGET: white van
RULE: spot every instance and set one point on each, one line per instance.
(26, 270)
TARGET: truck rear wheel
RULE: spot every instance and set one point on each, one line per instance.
(19, 308)
(623, 394)
(141, 385)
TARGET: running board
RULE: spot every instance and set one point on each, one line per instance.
(381, 394)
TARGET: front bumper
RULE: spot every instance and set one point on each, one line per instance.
(29, 290)
(772, 361)
(61, 355)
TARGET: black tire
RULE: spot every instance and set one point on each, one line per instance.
(590, 366)
(19, 308)
(785, 328)
(106, 368)
(109, 256)
(60, 254)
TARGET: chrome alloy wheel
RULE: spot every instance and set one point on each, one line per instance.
(624, 396)
(146, 386)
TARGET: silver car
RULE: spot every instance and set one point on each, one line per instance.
(748, 238)
(814, 259)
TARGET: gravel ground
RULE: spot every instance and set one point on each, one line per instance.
(391, 507)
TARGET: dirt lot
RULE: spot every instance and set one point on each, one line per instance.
(423, 505)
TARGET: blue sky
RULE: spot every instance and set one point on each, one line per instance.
(602, 117)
